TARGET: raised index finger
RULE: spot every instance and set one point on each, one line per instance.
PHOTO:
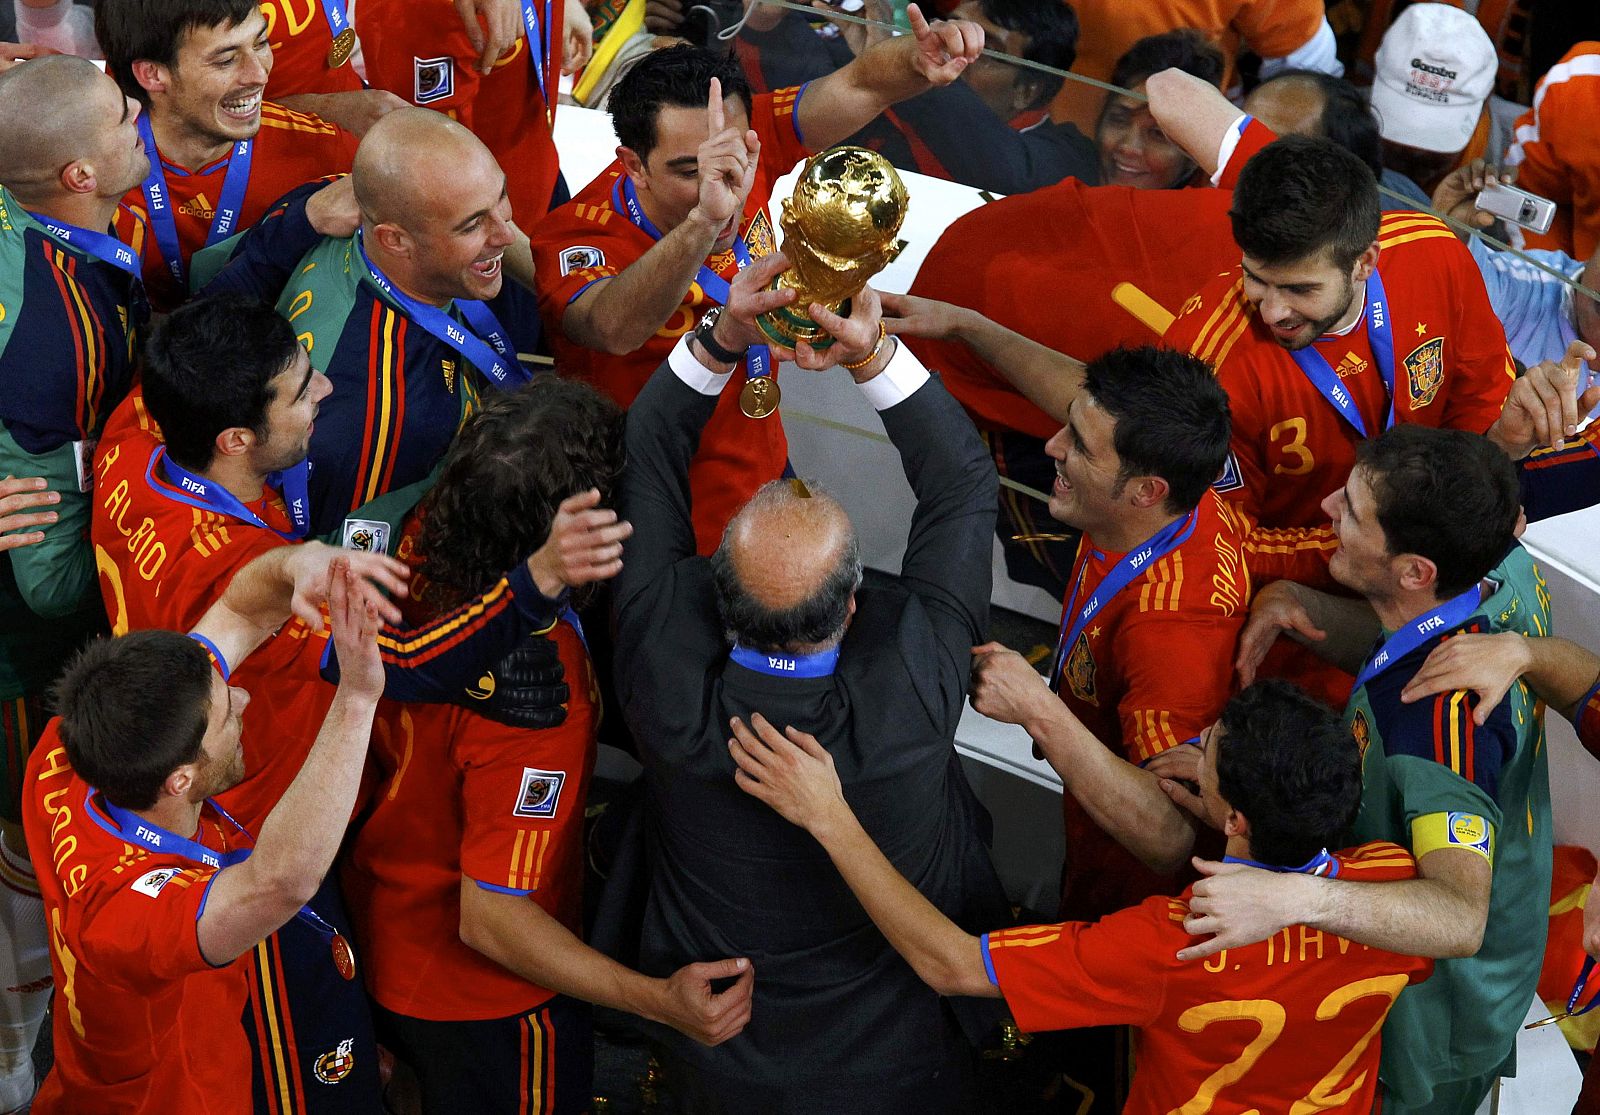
(714, 109)
(919, 22)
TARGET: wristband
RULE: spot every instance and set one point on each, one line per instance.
(883, 335)
(703, 331)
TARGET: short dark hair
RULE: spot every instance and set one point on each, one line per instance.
(133, 709)
(820, 618)
(1184, 49)
(1447, 495)
(1171, 416)
(150, 30)
(1302, 195)
(676, 76)
(1347, 117)
(1288, 763)
(1051, 28)
(209, 367)
(521, 455)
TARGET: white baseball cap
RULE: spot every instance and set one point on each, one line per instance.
(1435, 69)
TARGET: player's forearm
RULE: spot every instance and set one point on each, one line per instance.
(1192, 112)
(1350, 623)
(519, 259)
(1561, 672)
(626, 310)
(945, 956)
(517, 934)
(1046, 378)
(1125, 801)
(841, 104)
(1414, 917)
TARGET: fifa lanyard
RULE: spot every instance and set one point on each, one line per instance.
(102, 246)
(338, 22)
(1074, 618)
(497, 362)
(134, 830)
(538, 42)
(185, 487)
(158, 199)
(1380, 336)
(818, 665)
(1450, 614)
(758, 360)
(1322, 864)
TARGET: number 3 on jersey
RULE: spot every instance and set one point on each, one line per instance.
(1297, 459)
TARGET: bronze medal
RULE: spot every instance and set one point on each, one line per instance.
(759, 397)
(344, 45)
(343, 958)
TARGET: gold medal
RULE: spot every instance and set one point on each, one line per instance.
(759, 398)
(343, 958)
(344, 45)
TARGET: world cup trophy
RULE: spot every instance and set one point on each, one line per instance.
(840, 228)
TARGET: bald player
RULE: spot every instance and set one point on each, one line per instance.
(71, 307)
(839, 1024)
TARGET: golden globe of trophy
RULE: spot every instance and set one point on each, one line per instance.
(840, 229)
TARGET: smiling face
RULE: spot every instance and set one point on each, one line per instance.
(297, 393)
(1302, 300)
(1088, 489)
(1362, 562)
(668, 182)
(1134, 151)
(212, 91)
(115, 149)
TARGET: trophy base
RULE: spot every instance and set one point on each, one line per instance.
(787, 326)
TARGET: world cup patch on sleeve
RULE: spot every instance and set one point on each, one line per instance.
(152, 882)
(1231, 479)
(541, 790)
(370, 536)
(581, 257)
(435, 79)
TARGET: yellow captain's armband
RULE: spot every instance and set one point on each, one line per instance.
(1467, 831)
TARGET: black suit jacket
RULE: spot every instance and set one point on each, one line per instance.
(840, 1022)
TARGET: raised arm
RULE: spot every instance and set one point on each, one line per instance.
(1193, 113)
(300, 836)
(1046, 378)
(620, 314)
(841, 104)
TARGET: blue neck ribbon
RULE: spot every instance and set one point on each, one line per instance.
(1380, 336)
(780, 665)
(1323, 864)
(1450, 614)
(135, 830)
(1074, 618)
(538, 40)
(158, 199)
(486, 344)
(101, 245)
(197, 491)
(333, 12)
(758, 360)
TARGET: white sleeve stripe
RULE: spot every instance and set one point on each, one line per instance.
(1584, 65)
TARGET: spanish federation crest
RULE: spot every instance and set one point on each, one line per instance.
(1079, 671)
(1362, 731)
(1425, 371)
(758, 237)
(334, 1065)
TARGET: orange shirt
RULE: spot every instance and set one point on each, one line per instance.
(1557, 154)
(1289, 1023)
(143, 1024)
(300, 38)
(1107, 28)
(290, 149)
(1056, 282)
(1118, 678)
(1452, 369)
(419, 51)
(591, 238)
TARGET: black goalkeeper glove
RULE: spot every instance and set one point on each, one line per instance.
(525, 689)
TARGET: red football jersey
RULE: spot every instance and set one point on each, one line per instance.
(591, 238)
(1046, 264)
(290, 149)
(1288, 1024)
(499, 805)
(420, 52)
(142, 1022)
(1452, 369)
(1118, 679)
(300, 37)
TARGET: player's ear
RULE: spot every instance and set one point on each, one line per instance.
(79, 177)
(1149, 491)
(235, 441)
(1366, 263)
(632, 164)
(1236, 824)
(393, 239)
(181, 781)
(1416, 572)
(152, 77)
